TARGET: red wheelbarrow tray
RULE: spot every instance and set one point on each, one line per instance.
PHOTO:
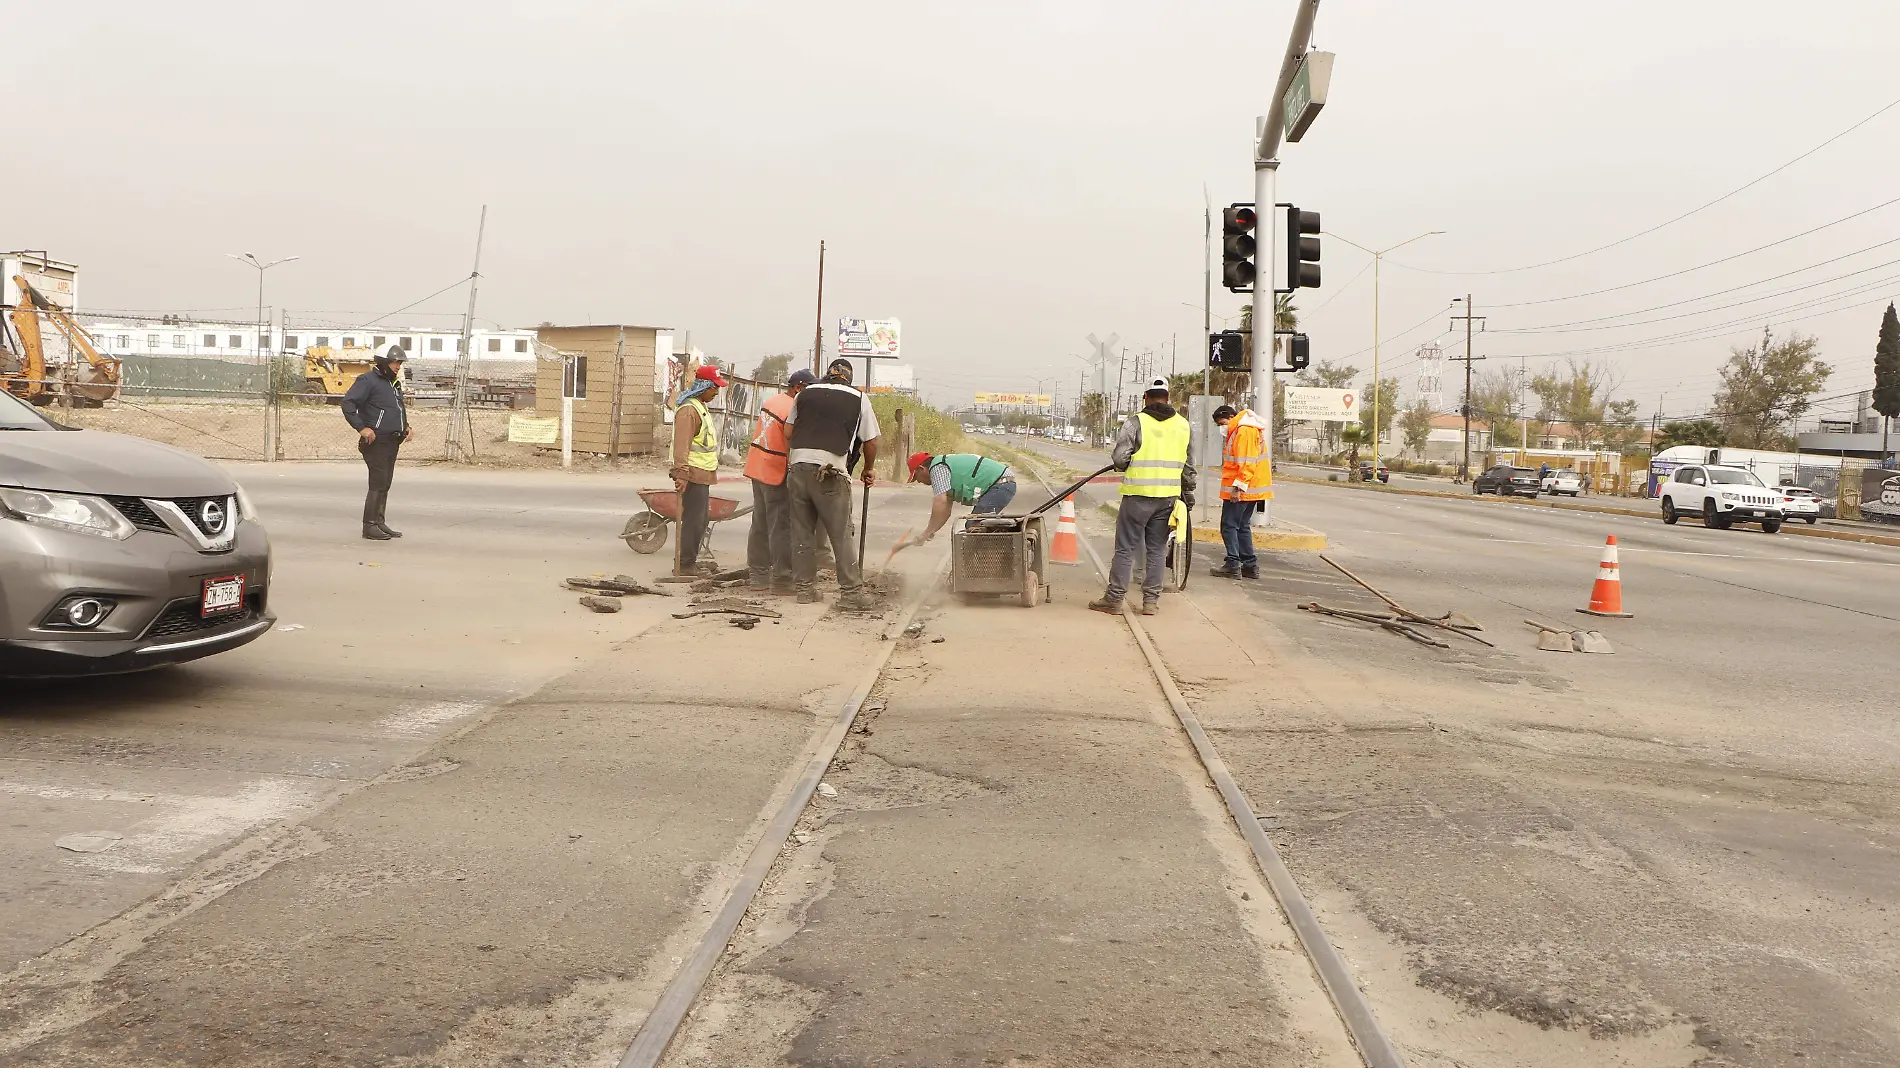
(666, 503)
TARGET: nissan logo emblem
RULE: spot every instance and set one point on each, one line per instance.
(212, 513)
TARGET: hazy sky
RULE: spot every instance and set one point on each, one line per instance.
(1005, 177)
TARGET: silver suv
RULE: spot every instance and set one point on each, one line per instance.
(119, 554)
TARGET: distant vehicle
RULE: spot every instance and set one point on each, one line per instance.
(119, 554)
(1565, 481)
(1507, 481)
(1722, 496)
(1799, 502)
(1367, 473)
(1890, 492)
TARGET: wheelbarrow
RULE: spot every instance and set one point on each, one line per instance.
(646, 531)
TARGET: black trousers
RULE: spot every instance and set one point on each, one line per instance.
(693, 505)
(380, 457)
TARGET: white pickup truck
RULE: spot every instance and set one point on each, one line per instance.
(1722, 496)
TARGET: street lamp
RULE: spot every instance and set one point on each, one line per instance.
(1378, 255)
(263, 332)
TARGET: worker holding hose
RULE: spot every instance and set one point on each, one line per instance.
(1151, 452)
(984, 484)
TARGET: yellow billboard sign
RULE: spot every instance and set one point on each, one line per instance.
(1015, 400)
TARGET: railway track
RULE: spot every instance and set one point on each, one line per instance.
(664, 1024)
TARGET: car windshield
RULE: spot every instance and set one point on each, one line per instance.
(16, 414)
(1733, 478)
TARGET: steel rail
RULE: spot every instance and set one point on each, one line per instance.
(676, 1000)
(1354, 1011)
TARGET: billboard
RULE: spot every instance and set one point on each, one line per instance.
(1322, 405)
(1015, 400)
(868, 338)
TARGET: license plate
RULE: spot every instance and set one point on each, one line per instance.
(222, 595)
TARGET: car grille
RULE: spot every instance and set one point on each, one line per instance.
(191, 506)
(139, 514)
(185, 617)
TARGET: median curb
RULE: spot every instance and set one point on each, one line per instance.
(1281, 537)
(1571, 506)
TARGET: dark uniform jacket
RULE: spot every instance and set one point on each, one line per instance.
(374, 402)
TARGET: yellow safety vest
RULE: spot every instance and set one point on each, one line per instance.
(1155, 469)
(703, 451)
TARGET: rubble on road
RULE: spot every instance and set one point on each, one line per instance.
(1568, 640)
(603, 605)
(619, 585)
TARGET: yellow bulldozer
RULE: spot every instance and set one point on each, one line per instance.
(330, 371)
(86, 377)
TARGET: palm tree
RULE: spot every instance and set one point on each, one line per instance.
(1354, 435)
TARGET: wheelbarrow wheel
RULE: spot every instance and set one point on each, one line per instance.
(1032, 589)
(645, 533)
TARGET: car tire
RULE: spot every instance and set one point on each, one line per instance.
(1811, 520)
(1771, 526)
(1477, 490)
(1670, 515)
(1711, 520)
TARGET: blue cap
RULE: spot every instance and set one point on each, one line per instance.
(801, 377)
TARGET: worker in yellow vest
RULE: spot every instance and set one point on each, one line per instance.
(768, 553)
(695, 463)
(1151, 452)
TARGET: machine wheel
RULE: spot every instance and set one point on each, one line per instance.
(1181, 557)
(645, 533)
(1669, 512)
(1032, 589)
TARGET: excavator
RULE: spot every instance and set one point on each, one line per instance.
(23, 366)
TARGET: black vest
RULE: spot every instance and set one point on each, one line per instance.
(827, 418)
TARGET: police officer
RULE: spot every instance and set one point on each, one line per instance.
(1151, 452)
(374, 407)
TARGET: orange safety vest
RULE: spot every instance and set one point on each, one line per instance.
(765, 460)
(1243, 460)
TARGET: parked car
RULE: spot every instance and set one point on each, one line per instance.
(1722, 496)
(1565, 481)
(1800, 502)
(120, 554)
(1506, 481)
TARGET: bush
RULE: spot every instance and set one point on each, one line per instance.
(935, 432)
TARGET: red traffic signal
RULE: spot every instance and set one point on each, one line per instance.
(1238, 247)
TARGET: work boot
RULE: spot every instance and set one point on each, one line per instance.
(1225, 571)
(385, 528)
(1151, 608)
(372, 532)
(783, 589)
(856, 601)
(1251, 571)
(1106, 605)
(807, 595)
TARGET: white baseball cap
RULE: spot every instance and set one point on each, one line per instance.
(1158, 384)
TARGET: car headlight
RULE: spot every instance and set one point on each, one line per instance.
(66, 511)
(246, 510)
(1727, 496)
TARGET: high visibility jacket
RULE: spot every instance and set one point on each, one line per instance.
(1245, 472)
(765, 460)
(703, 452)
(969, 477)
(1155, 469)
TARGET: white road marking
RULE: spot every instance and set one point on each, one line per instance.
(179, 827)
(426, 719)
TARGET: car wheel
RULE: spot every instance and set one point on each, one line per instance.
(1669, 512)
(1771, 526)
(1477, 490)
(1810, 520)
(1709, 518)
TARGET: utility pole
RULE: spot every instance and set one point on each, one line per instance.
(818, 324)
(1268, 131)
(1464, 466)
(1378, 257)
(273, 422)
(456, 447)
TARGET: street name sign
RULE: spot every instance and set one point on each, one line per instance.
(1307, 95)
(1322, 405)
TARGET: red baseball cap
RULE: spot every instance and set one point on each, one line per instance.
(709, 373)
(917, 460)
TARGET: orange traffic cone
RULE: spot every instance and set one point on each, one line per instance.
(1066, 546)
(1606, 597)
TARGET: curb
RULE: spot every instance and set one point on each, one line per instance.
(1532, 502)
(1303, 539)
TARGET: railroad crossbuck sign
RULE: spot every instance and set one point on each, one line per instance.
(1322, 405)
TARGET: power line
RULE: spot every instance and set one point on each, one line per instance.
(1671, 222)
(1716, 308)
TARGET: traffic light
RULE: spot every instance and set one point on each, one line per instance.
(1227, 350)
(1237, 248)
(1302, 252)
(1299, 351)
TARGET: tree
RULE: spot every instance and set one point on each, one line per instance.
(1766, 388)
(1494, 399)
(1092, 413)
(1355, 435)
(1676, 432)
(1387, 406)
(1621, 430)
(1887, 375)
(1581, 394)
(773, 369)
(1415, 424)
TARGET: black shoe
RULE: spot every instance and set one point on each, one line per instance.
(1224, 571)
(809, 596)
(1250, 572)
(372, 532)
(384, 527)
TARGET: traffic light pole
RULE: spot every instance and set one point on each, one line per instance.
(1260, 377)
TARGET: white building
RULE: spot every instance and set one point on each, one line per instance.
(227, 340)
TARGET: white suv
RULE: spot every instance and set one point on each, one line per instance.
(1720, 495)
(1799, 502)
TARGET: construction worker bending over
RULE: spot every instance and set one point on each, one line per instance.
(1151, 452)
(695, 463)
(984, 484)
(1246, 480)
(768, 550)
(826, 419)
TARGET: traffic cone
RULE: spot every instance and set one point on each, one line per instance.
(1606, 597)
(1066, 546)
